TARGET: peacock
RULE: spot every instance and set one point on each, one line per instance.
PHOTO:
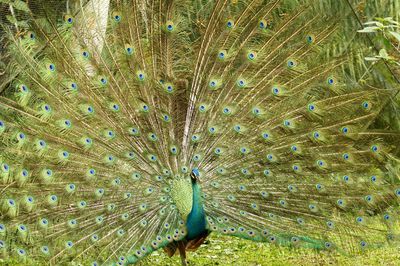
(130, 126)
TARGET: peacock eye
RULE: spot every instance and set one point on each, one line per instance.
(129, 50)
(229, 24)
(52, 67)
(291, 63)
(227, 111)
(251, 56)
(5, 167)
(374, 148)
(365, 105)
(241, 83)
(21, 252)
(170, 26)
(24, 88)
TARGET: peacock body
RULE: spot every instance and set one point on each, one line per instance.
(132, 126)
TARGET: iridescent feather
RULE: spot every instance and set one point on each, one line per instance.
(132, 126)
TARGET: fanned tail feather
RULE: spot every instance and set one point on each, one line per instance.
(106, 118)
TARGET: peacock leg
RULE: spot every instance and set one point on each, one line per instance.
(182, 252)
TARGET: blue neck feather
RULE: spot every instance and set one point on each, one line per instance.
(196, 220)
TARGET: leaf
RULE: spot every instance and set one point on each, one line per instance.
(5, 1)
(371, 59)
(383, 53)
(390, 19)
(371, 23)
(368, 29)
(23, 24)
(20, 5)
(396, 35)
(11, 19)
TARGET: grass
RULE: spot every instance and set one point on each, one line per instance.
(222, 250)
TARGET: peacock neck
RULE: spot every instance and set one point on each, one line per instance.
(197, 201)
(196, 222)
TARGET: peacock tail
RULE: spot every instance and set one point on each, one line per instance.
(109, 115)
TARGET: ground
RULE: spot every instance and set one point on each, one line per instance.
(234, 251)
(226, 251)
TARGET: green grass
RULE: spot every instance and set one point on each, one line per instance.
(222, 250)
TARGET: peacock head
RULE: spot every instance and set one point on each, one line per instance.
(195, 175)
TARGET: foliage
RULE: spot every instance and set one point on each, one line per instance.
(388, 35)
(385, 34)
